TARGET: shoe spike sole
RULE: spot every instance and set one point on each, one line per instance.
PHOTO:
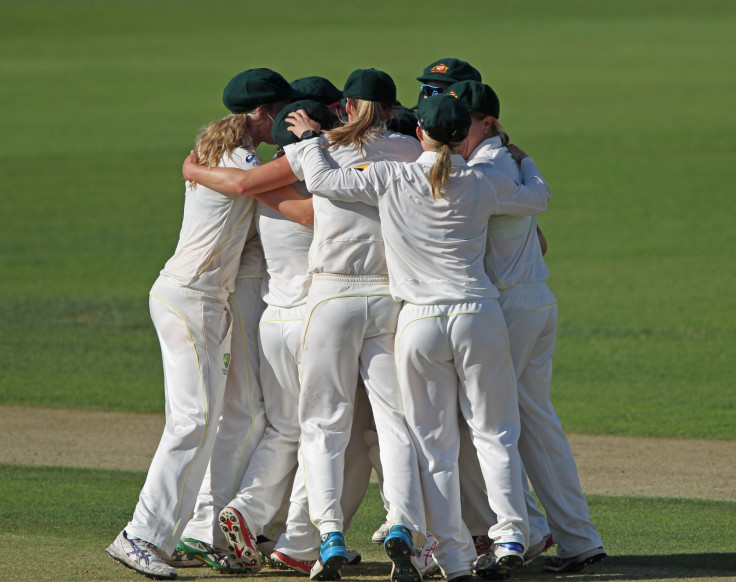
(403, 569)
(331, 569)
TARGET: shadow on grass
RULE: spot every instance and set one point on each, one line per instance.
(632, 567)
(673, 567)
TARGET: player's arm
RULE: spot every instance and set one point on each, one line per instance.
(290, 203)
(542, 240)
(236, 181)
(525, 199)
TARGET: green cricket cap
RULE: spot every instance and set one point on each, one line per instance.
(449, 71)
(317, 89)
(316, 110)
(477, 96)
(370, 85)
(445, 118)
(255, 87)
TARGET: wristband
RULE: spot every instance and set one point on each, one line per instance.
(309, 134)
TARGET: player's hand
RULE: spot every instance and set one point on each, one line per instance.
(190, 164)
(299, 122)
(516, 152)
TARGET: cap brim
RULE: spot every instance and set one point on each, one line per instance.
(436, 77)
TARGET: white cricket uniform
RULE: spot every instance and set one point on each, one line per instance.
(349, 331)
(515, 264)
(301, 539)
(243, 419)
(477, 514)
(266, 488)
(189, 308)
(451, 340)
(269, 476)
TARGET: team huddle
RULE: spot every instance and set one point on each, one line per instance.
(373, 299)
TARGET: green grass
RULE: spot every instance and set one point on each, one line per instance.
(62, 519)
(625, 105)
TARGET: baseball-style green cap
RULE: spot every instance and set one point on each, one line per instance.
(370, 85)
(449, 71)
(255, 87)
(444, 118)
(476, 96)
(317, 89)
(317, 111)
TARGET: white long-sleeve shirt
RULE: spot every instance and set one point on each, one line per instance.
(213, 233)
(434, 248)
(514, 255)
(347, 234)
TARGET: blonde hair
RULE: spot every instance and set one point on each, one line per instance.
(222, 137)
(369, 122)
(439, 173)
(496, 127)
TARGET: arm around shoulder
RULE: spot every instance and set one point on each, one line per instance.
(236, 181)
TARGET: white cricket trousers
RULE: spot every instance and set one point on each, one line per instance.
(194, 330)
(269, 476)
(243, 419)
(349, 330)
(477, 514)
(301, 538)
(531, 316)
(450, 355)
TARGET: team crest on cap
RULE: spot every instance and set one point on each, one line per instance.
(453, 94)
(441, 68)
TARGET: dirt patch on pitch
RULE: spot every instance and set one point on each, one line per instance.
(694, 469)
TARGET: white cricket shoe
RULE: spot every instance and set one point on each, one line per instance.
(141, 556)
(379, 536)
(425, 560)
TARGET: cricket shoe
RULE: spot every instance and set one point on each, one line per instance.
(354, 557)
(333, 555)
(509, 555)
(180, 560)
(207, 554)
(265, 548)
(379, 536)
(427, 566)
(241, 544)
(576, 563)
(498, 565)
(486, 567)
(535, 550)
(141, 556)
(285, 561)
(483, 545)
(400, 549)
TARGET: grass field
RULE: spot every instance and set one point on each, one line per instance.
(627, 107)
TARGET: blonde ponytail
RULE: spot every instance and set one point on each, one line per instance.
(439, 173)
